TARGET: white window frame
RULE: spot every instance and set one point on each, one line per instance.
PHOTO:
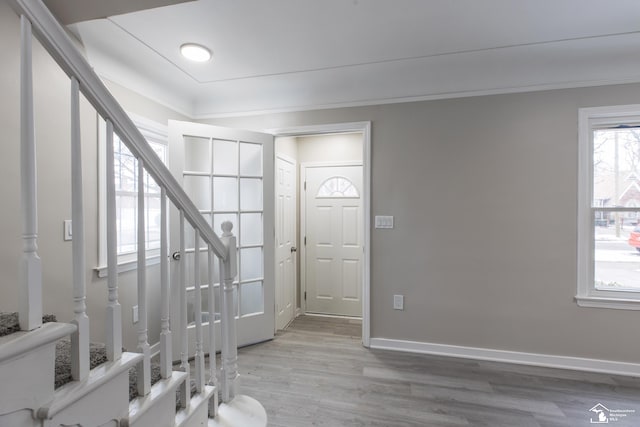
(152, 131)
(590, 119)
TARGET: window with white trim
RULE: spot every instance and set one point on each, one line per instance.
(126, 183)
(609, 207)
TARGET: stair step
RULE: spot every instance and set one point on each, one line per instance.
(197, 414)
(27, 363)
(242, 411)
(19, 343)
(159, 405)
(82, 402)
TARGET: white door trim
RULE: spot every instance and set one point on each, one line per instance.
(286, 158)
(365, 129)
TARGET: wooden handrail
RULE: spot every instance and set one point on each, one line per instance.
(61, 48)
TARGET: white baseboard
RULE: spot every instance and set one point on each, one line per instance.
(533, 359)
(334, 316)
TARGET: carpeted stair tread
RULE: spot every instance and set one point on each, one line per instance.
(9, 322)
(97, 356)
(133, 379)
(155, 377)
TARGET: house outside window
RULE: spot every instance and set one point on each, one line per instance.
(126, 183)
(609, 207)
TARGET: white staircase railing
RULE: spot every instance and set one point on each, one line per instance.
(36, 17)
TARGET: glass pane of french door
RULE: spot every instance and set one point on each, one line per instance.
(228, 173)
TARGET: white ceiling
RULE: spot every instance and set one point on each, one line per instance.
(284, 55)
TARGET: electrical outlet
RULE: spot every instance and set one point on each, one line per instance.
(398, 302)
(134, 313)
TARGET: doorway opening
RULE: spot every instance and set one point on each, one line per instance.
(322, 228)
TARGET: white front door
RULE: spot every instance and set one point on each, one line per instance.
(333, 224)
(285, 241)
(228, 173)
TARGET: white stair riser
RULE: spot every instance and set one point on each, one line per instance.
(162, 414)
(106, 405)
(198, 418)
(198, 413)
(31, 376)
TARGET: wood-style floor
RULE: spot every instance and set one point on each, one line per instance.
(316, 373)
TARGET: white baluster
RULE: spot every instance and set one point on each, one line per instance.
(185, 387)
(144, 367)
(213, 380)
(199, 356)
(114, 310)
(165, 332)
(79, 339)
(30, 311)
(228, 270)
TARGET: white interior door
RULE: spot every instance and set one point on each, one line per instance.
(285, 240)
(333, 226)
(228, 173)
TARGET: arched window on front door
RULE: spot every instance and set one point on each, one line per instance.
(337, 187)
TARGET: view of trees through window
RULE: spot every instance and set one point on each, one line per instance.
(616, 188)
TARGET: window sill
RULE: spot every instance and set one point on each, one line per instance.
(128, 266)
(608, 302)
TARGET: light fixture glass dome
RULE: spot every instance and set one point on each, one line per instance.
(195, 52)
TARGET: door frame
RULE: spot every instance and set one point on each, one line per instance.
(303, 220)
(295, 264)
(365, 129)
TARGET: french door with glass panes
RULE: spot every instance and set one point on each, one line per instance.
(228, 173)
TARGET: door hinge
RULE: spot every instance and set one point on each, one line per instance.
(305, 295)
(305, 240)
(305, 185)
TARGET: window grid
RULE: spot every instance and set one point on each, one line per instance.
(126, 174)
(237, 214)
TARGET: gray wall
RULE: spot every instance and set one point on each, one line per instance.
(51, 89)
(483, 191)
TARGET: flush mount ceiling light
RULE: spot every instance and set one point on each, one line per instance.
(195, 52)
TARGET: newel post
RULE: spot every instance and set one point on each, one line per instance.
(228, 272)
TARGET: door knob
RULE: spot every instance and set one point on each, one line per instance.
(294, 249)
(176, 256)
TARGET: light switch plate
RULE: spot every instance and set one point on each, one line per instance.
(398, 302)
(68, 230)
(382, 221)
